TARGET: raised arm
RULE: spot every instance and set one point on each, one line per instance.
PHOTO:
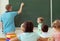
(21, 7)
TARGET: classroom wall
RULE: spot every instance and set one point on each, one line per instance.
(2, 9)
(3, 3)
(45, 3)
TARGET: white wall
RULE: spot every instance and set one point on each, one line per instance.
(3, 3)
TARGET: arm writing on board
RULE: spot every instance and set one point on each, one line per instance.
(21, 7)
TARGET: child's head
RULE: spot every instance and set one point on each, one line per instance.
(56, 25)
(40, 20)
(45, 28)
(27, 26)
(8, 7)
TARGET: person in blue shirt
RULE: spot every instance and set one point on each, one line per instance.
(7, 19)
(28, 33)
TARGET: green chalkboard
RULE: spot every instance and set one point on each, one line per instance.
(32, 10)
(56, 9)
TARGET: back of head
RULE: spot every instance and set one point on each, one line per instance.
(45, 28)
(56, 24)
(40, 19)
(8, 7)
(28, 25)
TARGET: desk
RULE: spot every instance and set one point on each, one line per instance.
(2, 39)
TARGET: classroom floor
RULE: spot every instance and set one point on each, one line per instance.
(18, 32)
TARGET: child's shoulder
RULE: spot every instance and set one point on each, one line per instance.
(45, 35)
(56, 34)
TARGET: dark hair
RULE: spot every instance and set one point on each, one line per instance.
(8, 7)
(45, 28)
(28, 25)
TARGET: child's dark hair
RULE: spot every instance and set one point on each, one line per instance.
(45, 28)
(28, 26)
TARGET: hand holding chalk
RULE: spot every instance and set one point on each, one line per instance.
(21, 7)
(22, 4)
